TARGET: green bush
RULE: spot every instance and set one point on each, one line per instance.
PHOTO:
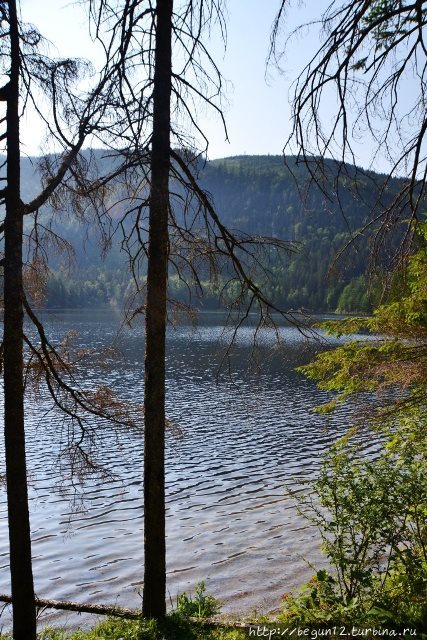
(372, 517)
(318, 603)
(371, 511)
(200, 606)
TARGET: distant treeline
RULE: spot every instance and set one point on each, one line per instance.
(256, 195)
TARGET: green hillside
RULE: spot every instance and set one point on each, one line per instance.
(257, 195)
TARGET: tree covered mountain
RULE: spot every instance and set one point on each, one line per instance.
(258, 195)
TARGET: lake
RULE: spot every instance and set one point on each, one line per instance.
(248, 438)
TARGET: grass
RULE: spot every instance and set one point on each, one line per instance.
(172, 628)
(178, 625)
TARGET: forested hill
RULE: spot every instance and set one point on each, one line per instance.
(266, 196)
(257, 195)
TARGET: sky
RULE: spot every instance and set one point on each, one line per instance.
(256, 104)
(256, 99)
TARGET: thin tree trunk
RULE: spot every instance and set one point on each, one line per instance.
(24, 613)
(154, 593)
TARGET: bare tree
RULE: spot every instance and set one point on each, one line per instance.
(372, 56)
(25, 72)
(170, 224)
(154, 594)
(24, 614)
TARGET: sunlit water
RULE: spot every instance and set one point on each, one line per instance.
(247, 441)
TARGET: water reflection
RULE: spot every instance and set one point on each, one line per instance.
(246, 440)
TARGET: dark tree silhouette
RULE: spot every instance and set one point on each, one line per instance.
(25, 72)
(154, 602)
(24, 614)
(155, 117)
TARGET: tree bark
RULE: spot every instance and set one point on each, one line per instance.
(24, 612)
(154, 591)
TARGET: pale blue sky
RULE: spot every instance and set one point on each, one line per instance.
(257, 108)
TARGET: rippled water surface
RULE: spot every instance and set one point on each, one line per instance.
(246, 441)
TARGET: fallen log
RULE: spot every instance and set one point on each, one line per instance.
(121, 612)
(65, 605)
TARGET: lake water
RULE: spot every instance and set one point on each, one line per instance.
(247, 441)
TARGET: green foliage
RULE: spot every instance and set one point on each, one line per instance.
(110, 629)
(395, 356)
(202, 605)
(372, 511)
(318, 603)
(354, 297)
(172, 628)
(372, 517)
(385, 13)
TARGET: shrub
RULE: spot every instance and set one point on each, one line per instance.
(201, 606)
(372, 517)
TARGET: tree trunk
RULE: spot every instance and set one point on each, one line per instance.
(24, 613)
(154, 593)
